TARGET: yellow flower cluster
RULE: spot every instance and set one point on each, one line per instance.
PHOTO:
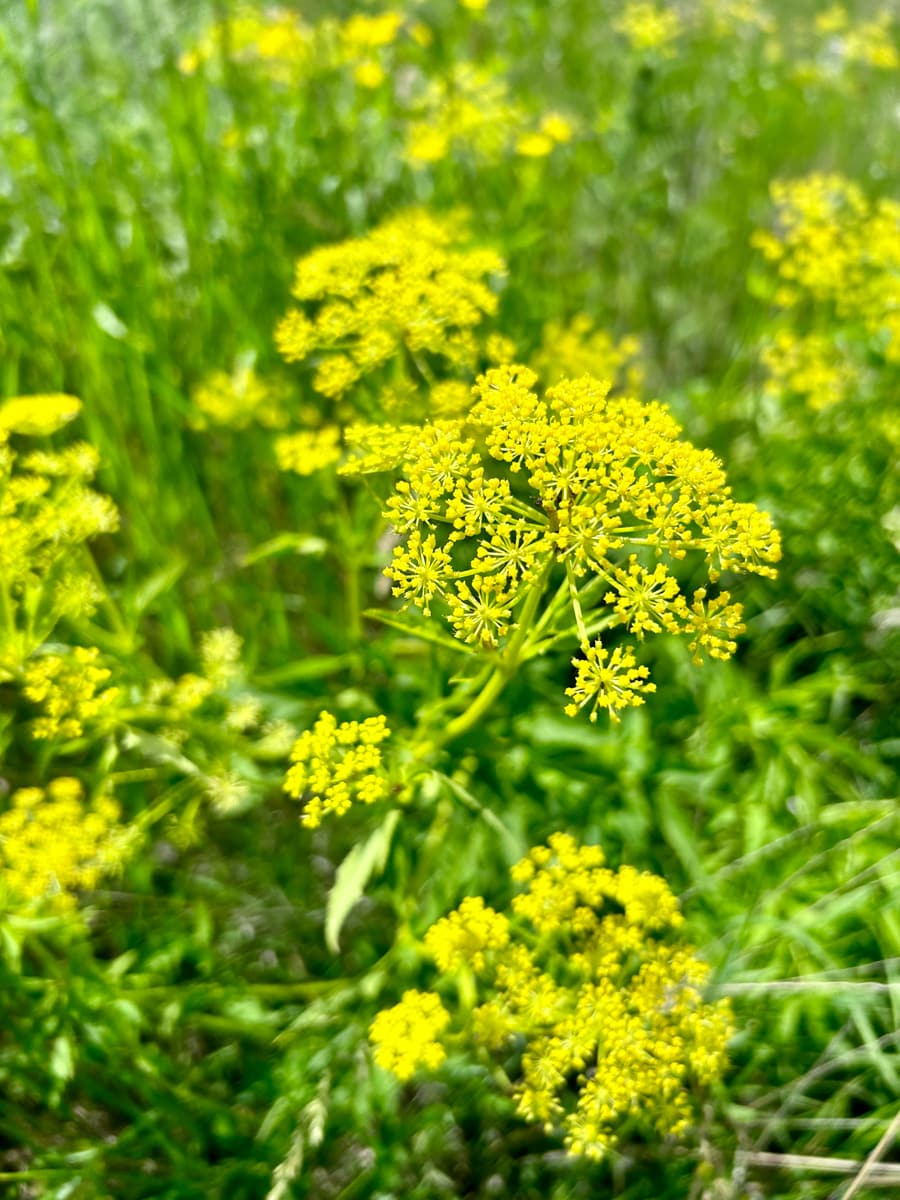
(836, 250)
(470, 111)
(337, 764)
(872, 43)
(220, 655)
(598, 1013)
(47, 512)
(37, 416)
(276, 43)
(273, 40)
(53, 844)
(405, 1036)
(408, 286)
(237, 400)
(578, 348)
(309, 450)
(600, 489)
(649, 26)
(811, 366)
(69, 689)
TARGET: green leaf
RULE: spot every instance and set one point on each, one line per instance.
(364, 860)
(418, 628)
(155, 586)
(285, 543)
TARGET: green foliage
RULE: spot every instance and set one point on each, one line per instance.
(197, 1025)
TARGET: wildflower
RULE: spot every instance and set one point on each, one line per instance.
(273, 41)
(490, 503)
(569, 351)
(220, 654)
(38, 416)
(811, 367)
(409, 284)
(47, 511)
(308, 451)
(462, 938)
(418, 570)
(712, 625)
(648, 26)
(642, 599)
(237, 400)
(190, 691)
(469, 111)
(335, 765)
(54, 844)
(405, 1036)
(611, 681)
(369, 73)
(585, 976)
(69, 690)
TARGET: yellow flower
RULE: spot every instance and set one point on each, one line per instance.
(535, 145)
(53, 844)
(220, 654)
(70, 692)
(491, 503)
(309, 451)
(578, 348)
(611, 681)
(648, 26)
(410, 283)
(237, 400)
(469, 111)
(38, 416)
(369, 73)
(462, 938)
(405, 1036)
(336, 764)
(585, 976)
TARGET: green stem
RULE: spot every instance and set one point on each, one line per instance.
(502, 673)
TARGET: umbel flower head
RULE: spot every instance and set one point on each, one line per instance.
(53, 843)
(47, 512)
(408, 287)
(337, 764)
(598, 492)
(593, 1007)
(838, 254)
(70, 691)
(470, 111)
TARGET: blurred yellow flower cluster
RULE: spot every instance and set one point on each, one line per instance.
(649, 26)
(335, 765)
(575, 348)
(410, 286)
(811, 366)
(872, 43)
(488, 505)
(47, 513)
(308, 451)
(405, 1037)
(54, 844)
(274, 40)
(598, 1015)
(237, 400)
(278, 44)
(70, 691)
(470, 111)
(833, 247)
